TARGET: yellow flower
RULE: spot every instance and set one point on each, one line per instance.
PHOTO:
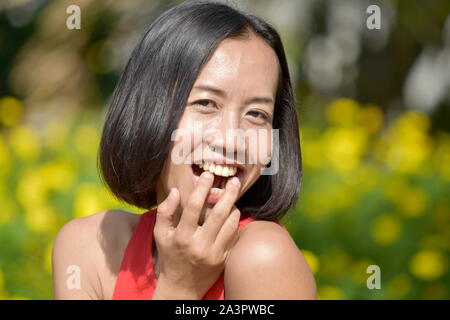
(371, 118)
(312, 260)
(410, 200)
(31, 190)
(40, 219)
(11, 111)
(58, 175)
(406, 146)
(25, 142)
(413, 120)
(90, 198)
(328, 292)
(344, 147)
(5, 158)
(343, 112)
(312, 154)
(35, 182)
(386, 229)
(87, 201)
(87, 140)
(428, 265)
(399, 286)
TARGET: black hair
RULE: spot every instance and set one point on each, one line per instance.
(151, 95)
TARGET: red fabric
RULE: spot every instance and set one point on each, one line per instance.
(136, 279)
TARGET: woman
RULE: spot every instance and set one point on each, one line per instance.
(211, 230)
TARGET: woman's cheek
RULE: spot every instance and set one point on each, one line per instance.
(260, 151)
(267, 147)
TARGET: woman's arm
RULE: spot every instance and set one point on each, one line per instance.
(266, 264)
(77, 252)
(73, 260)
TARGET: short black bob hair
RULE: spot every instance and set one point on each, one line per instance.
(153, 90)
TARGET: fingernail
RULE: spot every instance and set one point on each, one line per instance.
(235, 181)
(207, 175)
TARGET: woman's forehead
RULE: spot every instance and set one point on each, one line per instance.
(246, 63)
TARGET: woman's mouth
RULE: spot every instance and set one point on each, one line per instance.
(221, 175)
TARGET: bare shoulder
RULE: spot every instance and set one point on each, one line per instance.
(266, 263)
(82, 248)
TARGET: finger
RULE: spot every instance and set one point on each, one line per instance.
(228, 234)
(191, 213)
(165, 211)
(221, 210)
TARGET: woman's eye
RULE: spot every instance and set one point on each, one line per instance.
(258, 114)
(205, 103)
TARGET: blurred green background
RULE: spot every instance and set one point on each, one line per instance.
(374, 110)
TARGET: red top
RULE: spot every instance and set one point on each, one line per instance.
(136, 279)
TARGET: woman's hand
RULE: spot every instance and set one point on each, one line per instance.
(192, 257)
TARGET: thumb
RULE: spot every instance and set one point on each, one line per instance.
(166, 210)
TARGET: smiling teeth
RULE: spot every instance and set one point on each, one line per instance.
(219, 170)
(216, 191)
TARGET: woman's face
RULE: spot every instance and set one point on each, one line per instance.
(227, 120)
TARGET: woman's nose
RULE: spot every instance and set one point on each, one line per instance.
(229, 138)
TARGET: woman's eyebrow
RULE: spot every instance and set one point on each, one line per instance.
(223, 94)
